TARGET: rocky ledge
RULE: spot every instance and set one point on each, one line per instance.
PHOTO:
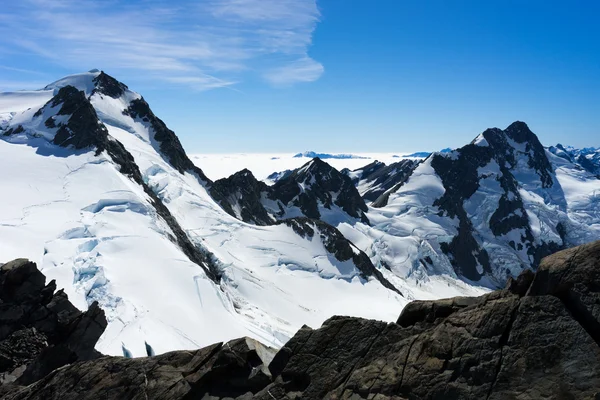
(537, 338)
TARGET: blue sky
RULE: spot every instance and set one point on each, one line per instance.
(327, 75)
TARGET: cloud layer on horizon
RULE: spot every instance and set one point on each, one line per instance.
(203, 45)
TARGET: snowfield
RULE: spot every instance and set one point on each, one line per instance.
(96, 233)
(99, 234)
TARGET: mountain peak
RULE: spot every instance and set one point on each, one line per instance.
(83, 81)
(313, 154)
(76, 121)
(317, 184)
(106, 84)
(520, 133)
(317, 164)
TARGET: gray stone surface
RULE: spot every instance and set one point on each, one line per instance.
(535, 339)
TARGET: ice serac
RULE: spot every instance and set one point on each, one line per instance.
(536, 338)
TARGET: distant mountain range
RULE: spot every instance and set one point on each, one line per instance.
(425, 154)
(587, 158)
(325, 156)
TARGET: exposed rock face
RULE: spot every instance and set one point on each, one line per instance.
(318, 183)
(170, 146)
(508, 150)
(275, 176)
(368, 170)
(309, 191)
(537, 338)
(109, 86)
(375, 179)
(82, 128)
(40, 330)
(240, 195)
(47, 352)
(223, 370)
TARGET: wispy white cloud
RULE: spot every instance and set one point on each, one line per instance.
(22, 70)
(302, 70)
(201, 82)
(205, 45)
(9, 86)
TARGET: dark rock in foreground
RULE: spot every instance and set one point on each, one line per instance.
(41, 330)
(539, 338)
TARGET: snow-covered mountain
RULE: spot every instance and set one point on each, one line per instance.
(324, 156)
(486, 211)
(101, 194)
(425, 154)
(482, 213)
(587, 158)
(376, 178)
(315, 190)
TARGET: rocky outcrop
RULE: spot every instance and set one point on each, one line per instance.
(359, 173)
(47, 352)
(40, 330)
(241, 196)
(536, 339)
(223, 370)
(275, 176)
(317, 184)
(376, 179)
(169, 144)
(510, 151)
(311, 191)
(109, 86)
(82, 128)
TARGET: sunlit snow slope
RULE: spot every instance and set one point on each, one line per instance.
(101, 194)
(82, 214)
(479, 214)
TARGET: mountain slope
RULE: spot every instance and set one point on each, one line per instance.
(315, 190)
(127, 220)
(102, 195)
(375, 179)
(491, 209)
(587, 158)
